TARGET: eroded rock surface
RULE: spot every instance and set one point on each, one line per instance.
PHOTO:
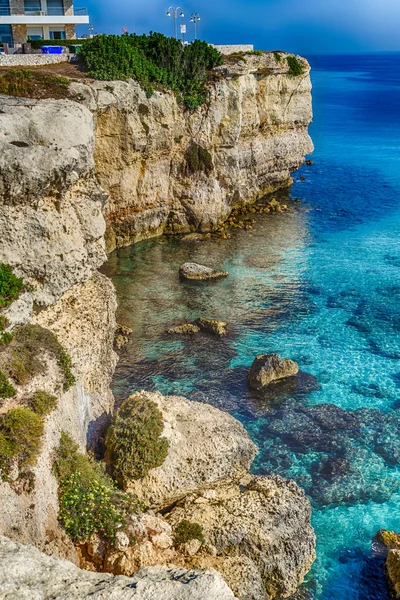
(206, 446)
(392, 567)
(268, 368)
(27, 574)
(200, 272)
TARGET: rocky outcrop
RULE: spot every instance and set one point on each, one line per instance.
(212, 326)
(27, 573)
(254, 131)
(392, 567)
(267, 368)
(257, 534)
(206, 446)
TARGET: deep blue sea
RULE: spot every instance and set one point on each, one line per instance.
(321, 285)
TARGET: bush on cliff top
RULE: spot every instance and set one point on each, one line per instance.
(295, 67)
(133, 442)
(89, 500)
(153, 60)
(42, 403)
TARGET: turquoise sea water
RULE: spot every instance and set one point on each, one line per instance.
(321, 285)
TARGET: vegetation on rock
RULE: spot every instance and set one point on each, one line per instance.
(278, 56)
(89, 500)
(153, 60)
(21, 431)
(42, 403)
(295, 67)
(10, 284)
(133, 442)
(6, 389)
(186, 531)
(28, 83)
(22, 358)
(198, 159)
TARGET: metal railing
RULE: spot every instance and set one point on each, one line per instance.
(81, 12)
(51, 12)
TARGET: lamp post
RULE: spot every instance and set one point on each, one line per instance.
(175, 13)
(193, 19)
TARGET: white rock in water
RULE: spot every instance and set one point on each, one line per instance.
(27, 574)
(196, 271)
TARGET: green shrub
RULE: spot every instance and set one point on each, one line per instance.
(89, 500)
(133, 442)
(10, 285)
(295, 68)
(256, 52)
(186, 531)
(6, 389)
(43, 403)
(21, 431)
(153, 60)
(198, 159)
(22, 358)
(278, 57)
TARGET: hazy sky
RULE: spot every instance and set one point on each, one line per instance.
(303, 26)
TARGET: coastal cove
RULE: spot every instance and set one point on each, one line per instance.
(318, 284)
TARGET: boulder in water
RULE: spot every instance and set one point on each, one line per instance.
(212, 326)
(198, 272)
(268, 368)
(185, 329)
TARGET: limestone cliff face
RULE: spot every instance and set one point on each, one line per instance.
(254, 129)
(52, 234)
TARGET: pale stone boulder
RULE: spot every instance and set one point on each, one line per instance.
(27, 574)
(268, 368)
(392, 567)
(200, 272)
(206, 447)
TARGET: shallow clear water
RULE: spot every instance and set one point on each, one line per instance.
(319, 284)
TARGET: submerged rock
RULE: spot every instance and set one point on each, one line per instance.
(263, 526)
(268, 368)
(212, 326)
(200, 272)
(206, 446)
(195, 237)
(185, 329)
(27, 573)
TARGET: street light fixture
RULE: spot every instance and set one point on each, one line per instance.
(193, 19)
(175, 13)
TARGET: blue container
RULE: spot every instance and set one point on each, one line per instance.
(52, 49)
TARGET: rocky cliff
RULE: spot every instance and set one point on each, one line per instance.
(107, 169)
(169, 170)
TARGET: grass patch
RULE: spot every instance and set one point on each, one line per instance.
(186, 531)
(295, 67)
(89, 500)
(28, 83)
(133, 442)
(21, 432)
(153, 60)
(22, 359)
(42, 403)
(198, 159)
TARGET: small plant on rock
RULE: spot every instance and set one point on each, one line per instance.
(133, 442)
(6, 389)
(198, 159)
(186, 531)
(42, 403)
(10, 285)
(295, 67)
(21, 432)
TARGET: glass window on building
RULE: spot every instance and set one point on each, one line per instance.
(35, 33)
(4, 8)
(32, 6)
(57, 33)
(55, 7)
(6, 34)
